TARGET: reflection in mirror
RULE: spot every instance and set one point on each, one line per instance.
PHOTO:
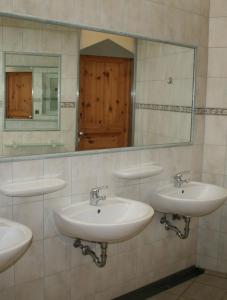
(32, 91)
(164, 93)
(132, 92)
(106, 78)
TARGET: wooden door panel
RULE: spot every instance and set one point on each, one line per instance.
(101, 141)
(91, 95)
(104, 104)
(19, 95)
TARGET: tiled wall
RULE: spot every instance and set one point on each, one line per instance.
(213, 228)
(32, 37)
(157, 64)
(52, 269)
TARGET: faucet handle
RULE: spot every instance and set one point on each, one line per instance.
(103, 187)
(99, 188)
(178, 174)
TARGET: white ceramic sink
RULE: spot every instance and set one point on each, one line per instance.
(113, 219)
(191, 199)
(15, 238)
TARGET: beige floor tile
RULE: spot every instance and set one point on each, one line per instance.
(163, 296)
(213, 281)
(180, 288)
(216, 274)
(224, 297)
(199, 291)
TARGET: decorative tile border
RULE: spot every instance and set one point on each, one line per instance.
(214, 111)
(68, 104)
(162, 107)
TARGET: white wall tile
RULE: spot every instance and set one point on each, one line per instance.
(30, 290)
(56, 255)
(31, 215)
(30, 266)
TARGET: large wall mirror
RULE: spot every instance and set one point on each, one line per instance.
(66, 89)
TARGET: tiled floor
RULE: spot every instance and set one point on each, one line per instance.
(209, 286)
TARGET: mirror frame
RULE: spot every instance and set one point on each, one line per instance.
(111, 150)
(59, 56)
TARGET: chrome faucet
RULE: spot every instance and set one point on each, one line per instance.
(178, 178)
(95, 197)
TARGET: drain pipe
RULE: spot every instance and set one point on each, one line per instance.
(169, 226)
(86, 250)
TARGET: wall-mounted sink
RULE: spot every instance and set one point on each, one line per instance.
(113, 219)
(192, 199)
(15, 239)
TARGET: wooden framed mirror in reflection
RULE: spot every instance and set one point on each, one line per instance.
(69, 89)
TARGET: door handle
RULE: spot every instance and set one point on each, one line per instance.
(81, 133)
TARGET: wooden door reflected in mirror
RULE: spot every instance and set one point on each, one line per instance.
(19, 95)
(105, 102)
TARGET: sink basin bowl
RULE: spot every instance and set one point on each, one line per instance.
(15, 238)
(113, 219)
(192, 199)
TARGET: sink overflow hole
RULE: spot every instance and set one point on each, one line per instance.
(98, 211)
(182, 192)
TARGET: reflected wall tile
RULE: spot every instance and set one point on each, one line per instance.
(52, 41)
(12, 39)
(32, 40)
(70, 42)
